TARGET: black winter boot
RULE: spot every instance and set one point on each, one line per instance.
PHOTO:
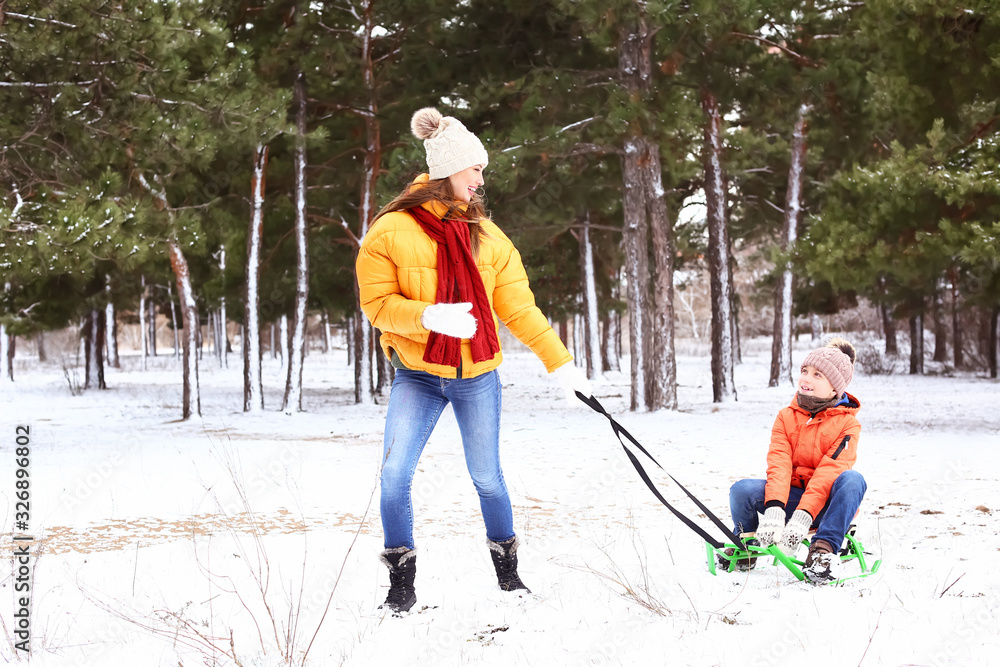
(742, 564)
(402, 564)
(504, 555)
(821, 562)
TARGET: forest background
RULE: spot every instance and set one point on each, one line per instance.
(704, 168)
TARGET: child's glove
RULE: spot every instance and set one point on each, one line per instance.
(771, 526)
(450, 319)
(573, 380)
(796, 529)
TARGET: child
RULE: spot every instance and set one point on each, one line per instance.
(814, 444)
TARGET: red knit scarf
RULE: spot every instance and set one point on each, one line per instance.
(458, 281)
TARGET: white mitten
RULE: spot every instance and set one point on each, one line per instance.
(771, 526)
(450, 319)
(796, 529)
(573, 380)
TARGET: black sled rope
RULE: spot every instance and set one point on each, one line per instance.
(620, 431)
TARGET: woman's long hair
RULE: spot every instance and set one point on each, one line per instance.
(440, 190)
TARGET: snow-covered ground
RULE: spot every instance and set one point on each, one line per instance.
(159, 539)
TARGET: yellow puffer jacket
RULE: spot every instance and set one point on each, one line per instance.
(397, 275)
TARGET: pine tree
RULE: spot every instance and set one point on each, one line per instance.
(124, 134)
(935, 141)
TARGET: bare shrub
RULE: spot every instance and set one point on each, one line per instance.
(72, 379)
(873, 361)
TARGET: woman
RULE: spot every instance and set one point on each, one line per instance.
(435, 273)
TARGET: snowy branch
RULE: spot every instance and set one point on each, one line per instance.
(576, 124)
(335, 30)
(774, 206)
(388, 54)
(152, 98)
(805, 60)
(18, 205)
(158, 194)
(588, 148)
(35, 18)
(347, 230)
(349, 9)
(571, 126)
(352, 239)
(30, 84)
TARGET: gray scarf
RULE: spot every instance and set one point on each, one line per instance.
(814, 405)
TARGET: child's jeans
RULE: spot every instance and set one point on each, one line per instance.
(415, 404)
(746, 501)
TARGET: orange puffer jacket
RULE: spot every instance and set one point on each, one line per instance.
(810, 452)
(397, 276)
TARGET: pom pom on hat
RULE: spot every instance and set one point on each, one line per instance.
(450, 146)
(426, 122)
(844, 346)
(836, 362)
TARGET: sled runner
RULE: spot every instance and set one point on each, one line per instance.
(852, 549)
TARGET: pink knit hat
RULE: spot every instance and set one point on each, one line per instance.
(836, 362)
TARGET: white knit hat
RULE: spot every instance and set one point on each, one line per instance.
(450, 147)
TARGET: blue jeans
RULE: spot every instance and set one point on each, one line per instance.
(746, 501)
(416, 402)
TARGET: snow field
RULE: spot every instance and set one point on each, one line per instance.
(155, 533)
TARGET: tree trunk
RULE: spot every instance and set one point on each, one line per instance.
(173, 321)
(663, 368)
(324, 322)
(723, 388)
(40, 344)
(994, 341)
(217, 335)
(349, 333)
(152, 323)
(613, 353)
(364, 389)
(816, 325)
(191, 400)
(606, 341)
(637, 268)
(293, 384)
(734, 305)
(283, 342)
(940, 324)
(253, 389)
(94, 332)
(9, 359)
(199, 338)
(956, 299)
(917, 344)
(81, 332)
(383, 369)
(591, 321)
(635, 74)
(781, 342)
(889, 326)
(222, 309)
(111, 328)
(142, 320)
(6, 370)
(619, 348)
